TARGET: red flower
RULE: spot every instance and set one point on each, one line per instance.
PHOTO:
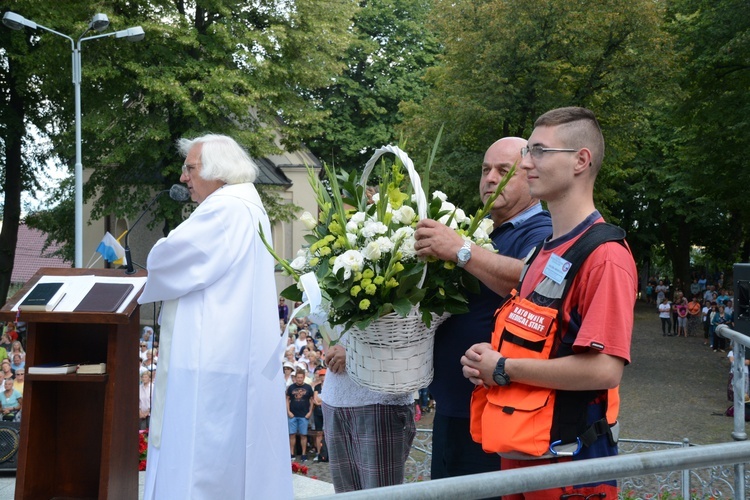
(142, 449)
(298, 468)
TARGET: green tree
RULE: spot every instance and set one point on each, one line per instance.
(507, 62)
(23, 109)
(245, 69)
(385, 65)
(712, 120)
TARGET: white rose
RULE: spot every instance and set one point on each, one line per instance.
(406, 214)
(308, 220)
(440, 195)
(480, 235)
(299, 263)
(372, 251)
(352, 239)
(487, 225)
(461, 216)
(351, 260)
(447, 206)
(444, 220)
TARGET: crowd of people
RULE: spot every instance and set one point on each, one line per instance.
(304, 374)
(709, 306)
(305, 371)
(148, 358)
(13, 363)
(692, 311)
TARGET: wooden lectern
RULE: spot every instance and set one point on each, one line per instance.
(79, 433)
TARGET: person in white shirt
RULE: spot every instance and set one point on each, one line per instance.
(665, 311)
(217, 423)
(145, 395)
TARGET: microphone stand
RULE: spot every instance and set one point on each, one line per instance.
(129, 264)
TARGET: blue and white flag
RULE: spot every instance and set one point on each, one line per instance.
(111, 250)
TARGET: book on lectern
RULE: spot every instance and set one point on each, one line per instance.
(92, 369)
(52, 369)
(43, 297)
(104, 297)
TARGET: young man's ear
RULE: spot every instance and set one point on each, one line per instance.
(584, 160)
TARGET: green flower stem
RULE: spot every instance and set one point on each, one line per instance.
(337, 201)
(278, 259)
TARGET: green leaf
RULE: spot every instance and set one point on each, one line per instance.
(402, 306)
(292, 292)
(340, 300)
(470, 282)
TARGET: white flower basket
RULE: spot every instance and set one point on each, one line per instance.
(394, 354)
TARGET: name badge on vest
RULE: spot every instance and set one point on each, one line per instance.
(556, 268)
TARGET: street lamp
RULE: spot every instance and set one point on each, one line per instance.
(99, 22)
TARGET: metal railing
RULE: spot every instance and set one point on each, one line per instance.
(676, 466)
(739, 343)
(493, 484)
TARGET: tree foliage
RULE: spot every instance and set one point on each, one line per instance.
(711, 121)
(247, 69)
(385, 65)
(505, 63)
(668, 81)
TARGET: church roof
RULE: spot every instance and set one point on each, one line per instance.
(271, 166)
(30, 257)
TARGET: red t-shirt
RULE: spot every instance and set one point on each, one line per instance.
(601, 299)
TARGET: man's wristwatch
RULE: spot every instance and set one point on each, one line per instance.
(464, 254)
(499, 376)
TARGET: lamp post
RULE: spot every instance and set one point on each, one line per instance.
(99, 23)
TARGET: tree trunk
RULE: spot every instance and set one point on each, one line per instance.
(12, 185)
(677, 245)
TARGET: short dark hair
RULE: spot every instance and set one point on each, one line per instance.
(579, 129)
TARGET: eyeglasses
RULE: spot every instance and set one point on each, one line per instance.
(187, 168)
(581, 496)
(538, 151)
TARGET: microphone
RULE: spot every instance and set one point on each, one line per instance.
(178, 193)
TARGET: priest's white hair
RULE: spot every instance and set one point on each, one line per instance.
(221, 158)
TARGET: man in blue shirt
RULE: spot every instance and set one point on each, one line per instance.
(520, 225)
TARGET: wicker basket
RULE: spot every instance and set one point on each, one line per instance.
(394, 354)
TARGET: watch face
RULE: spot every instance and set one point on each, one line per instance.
(464, 255)
(500, 379)
(499, 376)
